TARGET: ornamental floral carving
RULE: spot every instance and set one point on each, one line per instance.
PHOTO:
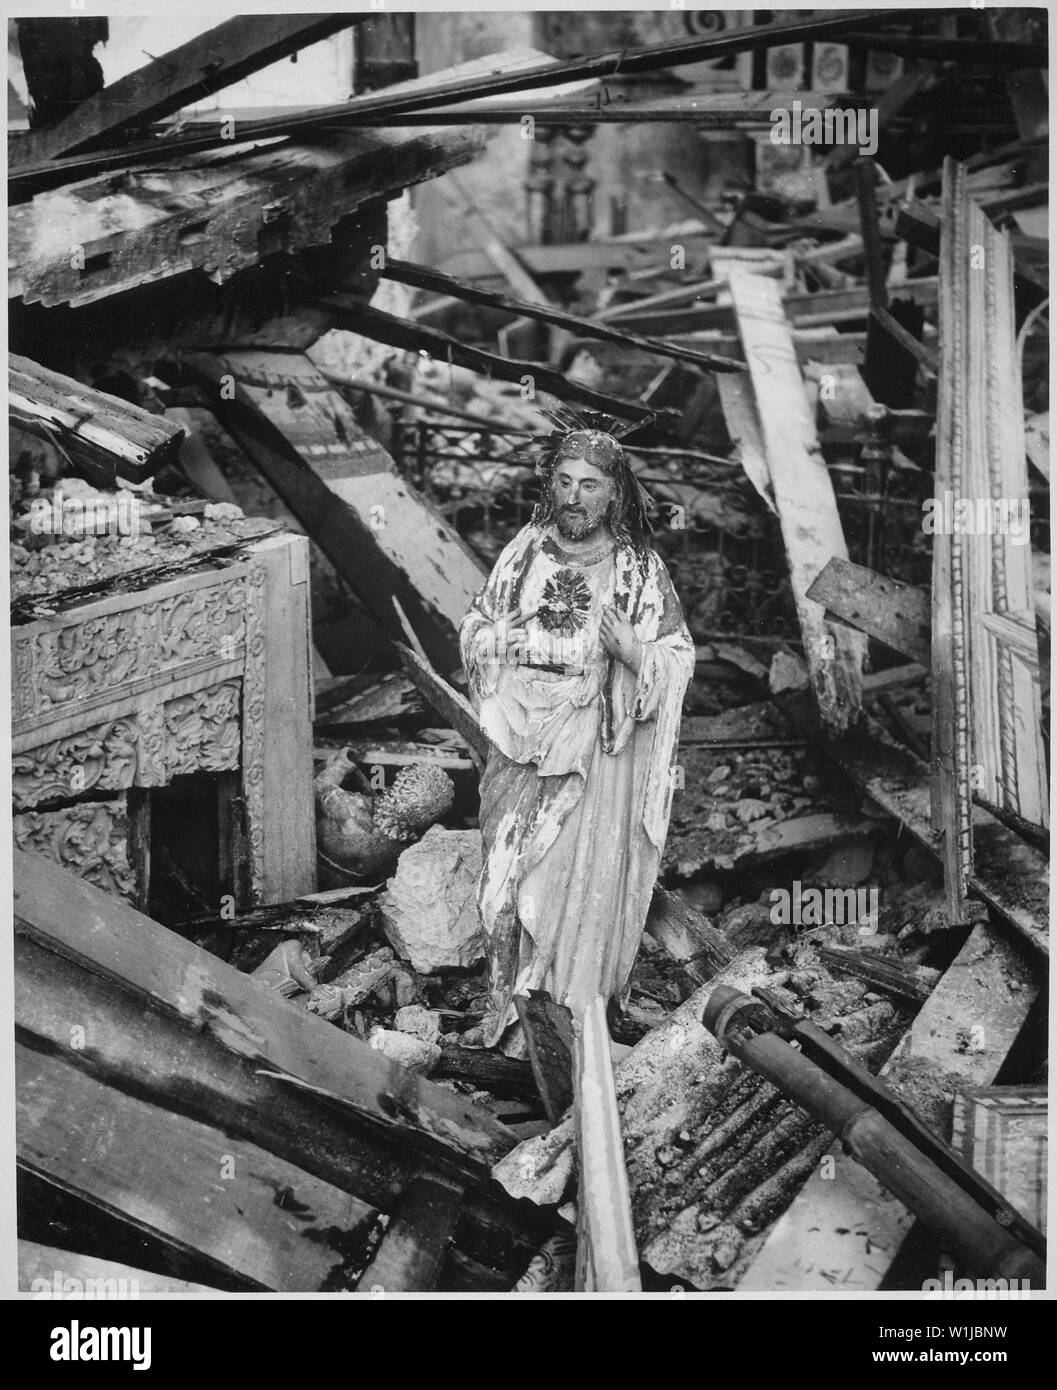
(91, 839)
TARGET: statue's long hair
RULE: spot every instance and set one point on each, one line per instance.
(628, 515)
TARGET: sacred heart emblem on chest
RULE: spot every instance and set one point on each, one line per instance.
(566, 603)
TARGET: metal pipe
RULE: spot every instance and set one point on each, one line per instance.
(972, 1237)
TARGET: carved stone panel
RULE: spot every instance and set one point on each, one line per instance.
(90, 839)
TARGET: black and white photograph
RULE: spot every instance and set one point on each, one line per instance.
(529, 600)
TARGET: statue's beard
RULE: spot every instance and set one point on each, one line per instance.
(577, 523)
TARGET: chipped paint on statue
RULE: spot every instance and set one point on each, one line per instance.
(577, 658)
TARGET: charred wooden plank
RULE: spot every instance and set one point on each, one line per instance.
(885, 320)
(69, 915)
(415, 337)
(913, 982)
(894, 613)
(549, 1040)
(421, 278)
(134, 1045)
(108, 436)
(453, 707)
(218, 215)
(262, 1221)
(687, 936)
(705, 109)
(510, 1078)
(816, 310)
(415, 1245)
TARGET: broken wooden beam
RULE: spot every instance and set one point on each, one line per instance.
(453, 707)
(221, 56)
(68, 915)
(687, 936)
(378, 108)
(885, 320)
(109, 437)
(416, 337)
(123, 1155)
(894, 613)
(919, 223)
(893, 976)
(381, 535)
(436, 282)
(415, 1244)
(551, 1046)
(818, 310)
(700, 107)
(219, 216)
(803, 492)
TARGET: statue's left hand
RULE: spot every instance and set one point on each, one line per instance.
(618, 638)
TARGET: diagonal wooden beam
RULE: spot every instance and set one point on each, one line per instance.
(438, 283)
(206, 64)
(620, 62)
(104, 434)
(803, 492)
(372, 323)
(383, 537)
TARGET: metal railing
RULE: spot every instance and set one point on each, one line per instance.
(722, 545)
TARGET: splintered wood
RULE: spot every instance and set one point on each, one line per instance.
(107, 435)
(803, 493)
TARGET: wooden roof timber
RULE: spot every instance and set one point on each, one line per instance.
(715, 110)
(205, 64)
(387, 105)
(358, 317)
(421, 278)
(217, 214)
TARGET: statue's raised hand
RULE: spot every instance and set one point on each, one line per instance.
(618, 638)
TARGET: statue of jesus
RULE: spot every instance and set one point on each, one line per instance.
(577, 658)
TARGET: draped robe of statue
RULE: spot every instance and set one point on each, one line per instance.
(576, 794)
